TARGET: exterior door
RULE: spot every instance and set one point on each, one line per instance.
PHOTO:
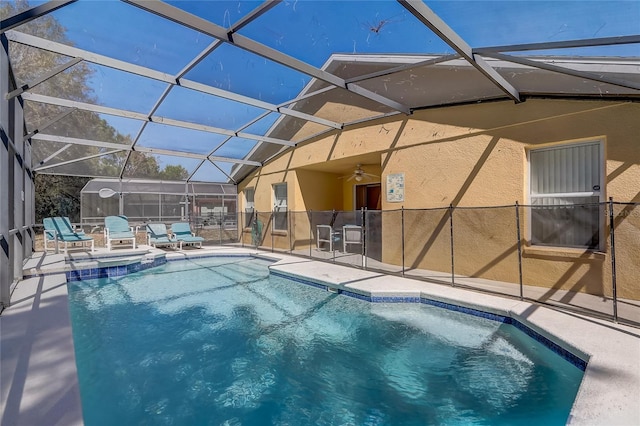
(368, 196)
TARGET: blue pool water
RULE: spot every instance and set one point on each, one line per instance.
(219, 341)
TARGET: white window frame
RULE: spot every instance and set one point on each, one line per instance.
(601, 193)
(248, 216)
(277, 206)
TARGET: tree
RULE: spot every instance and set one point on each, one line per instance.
(60, 195)
(174, 172)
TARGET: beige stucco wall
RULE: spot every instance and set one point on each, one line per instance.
(471, 156)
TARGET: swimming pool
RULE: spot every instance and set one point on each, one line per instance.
(220, 341)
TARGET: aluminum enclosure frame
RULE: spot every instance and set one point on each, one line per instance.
(473, 56)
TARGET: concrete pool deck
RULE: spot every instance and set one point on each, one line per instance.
(39, 379)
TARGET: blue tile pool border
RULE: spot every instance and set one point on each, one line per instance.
(553, 346)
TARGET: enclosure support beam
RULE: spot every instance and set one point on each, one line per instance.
(301, 97)
(143, 117)
(48, 123)
(567, 71)
(202, 25)
(404, 67)
(16, 182)
(195, 61)
(250, 123)
(222, 171)
(566, 44)
(236, 161)
(122, 147)
(442, 30)
(31, 14)
(94, 58)
(55, 154)
(77, 141)
(75, 160)
(252, 16)
(57, 70)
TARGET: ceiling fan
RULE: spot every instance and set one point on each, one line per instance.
(358, 174)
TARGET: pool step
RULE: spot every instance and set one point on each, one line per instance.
(110, 261)
(104, 263)
(88, 266)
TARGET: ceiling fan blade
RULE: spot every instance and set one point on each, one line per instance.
(370, 175)
(351, 177)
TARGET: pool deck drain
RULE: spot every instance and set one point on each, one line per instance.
(39, 378)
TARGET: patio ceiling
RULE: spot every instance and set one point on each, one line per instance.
(208, 91)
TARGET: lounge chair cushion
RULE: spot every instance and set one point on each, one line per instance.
(59, 226)
(182, 232)
(117, 228)
(59, 229)
(157, 234)
(63, 226)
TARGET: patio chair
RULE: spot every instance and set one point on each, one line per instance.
(157, 235)
(351, 234)
(182, 232)
(326, 234)
(116, 228)
(60, 230)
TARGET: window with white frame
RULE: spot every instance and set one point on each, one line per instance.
(565, 191)
(280, 207)
(249, 194)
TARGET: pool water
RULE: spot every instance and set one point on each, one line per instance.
(218, 341)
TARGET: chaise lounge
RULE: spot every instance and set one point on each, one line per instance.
(182, 232)
(60, 230)
(157, 235)
(116, 228)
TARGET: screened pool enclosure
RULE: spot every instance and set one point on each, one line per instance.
(142, 201)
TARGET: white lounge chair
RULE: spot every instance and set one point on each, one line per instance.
(157, 235)
(59, 230)
(116, 228)
(182, 232)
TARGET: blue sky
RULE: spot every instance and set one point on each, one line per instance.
(309, 30)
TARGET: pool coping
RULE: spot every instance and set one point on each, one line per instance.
(607, 394)
(579, 360)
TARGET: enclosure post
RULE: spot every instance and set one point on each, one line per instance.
(331, 242)
(402, 236)
(453, 280)
(241, 222)
(613, 260)
(363, 248)
(290, 230)
(220, 227)
(272, 221)
(120, 200)
(519, 250)
(310, 231)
